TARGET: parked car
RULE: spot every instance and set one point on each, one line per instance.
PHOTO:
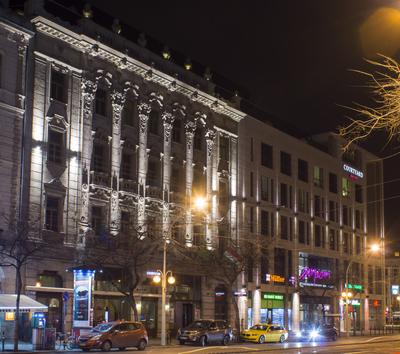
(322, 332)
(115, 335)
(264, 332)
(204, 332)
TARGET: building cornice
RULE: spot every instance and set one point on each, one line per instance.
(89, 45)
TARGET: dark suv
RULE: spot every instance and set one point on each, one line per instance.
(206, 331)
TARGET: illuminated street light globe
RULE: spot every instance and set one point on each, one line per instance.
(157, 278)
(200, 203)
(171, 280)
(375, 247)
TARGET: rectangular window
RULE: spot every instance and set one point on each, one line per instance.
(286, 227)
(251, 219)
(359, 219)
(176, 131)
(55, 146)
(154, 122)
(319, 207)
(284, 195)
(251, 184)
(99, 158)
(345, 215)
(303, 201)
(197, 140)
(100, 103)
(264, 223)
(125, 222)
(58, 90)
(126, 163)
(249, 269)
(128, 113)
(251, 149)
(302, 232)
(152, 173)
(286, 163)
(264, 268)
(333, 183)
(358, 244)
(265, 182)
(266, 155)
(97, 220)
(52, 213)
(333, 240)
(358, 193)
(302, 167)
(318, 177)
(346, 243)
(319, 236)
(345, 187)
(333, 211)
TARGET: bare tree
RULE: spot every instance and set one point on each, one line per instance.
(17, 249)
(384, 84)
(128, 253)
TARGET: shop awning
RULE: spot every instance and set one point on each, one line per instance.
(7, 304)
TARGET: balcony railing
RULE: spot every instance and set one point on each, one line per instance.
(128, 185)
(154, 192)
(100, 178)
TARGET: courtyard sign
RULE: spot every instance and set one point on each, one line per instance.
(353, 171)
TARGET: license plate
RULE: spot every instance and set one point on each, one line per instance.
(184, 337)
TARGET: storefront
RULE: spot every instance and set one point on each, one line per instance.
(273, 308)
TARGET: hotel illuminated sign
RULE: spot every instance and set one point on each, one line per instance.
(353, 171)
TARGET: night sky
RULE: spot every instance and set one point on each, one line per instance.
(291, 59)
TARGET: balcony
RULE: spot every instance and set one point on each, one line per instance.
(177, 198)
(128, 185)
(100, 178)
(154, 192)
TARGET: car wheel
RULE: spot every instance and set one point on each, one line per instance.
(203, 341)
(142, 345)
(106, 346)
(121, 348)
(334, 337)
(225, 341)
(261, 340)
(282, 339)
(181, 342)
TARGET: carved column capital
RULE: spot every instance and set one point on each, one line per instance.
(117, 102)
(168, 121)
(144, 110)
(210, 139)
(89, 89)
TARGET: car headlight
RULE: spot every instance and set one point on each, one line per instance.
(314, 334)
(298, 334)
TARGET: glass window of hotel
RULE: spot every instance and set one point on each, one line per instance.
(319, 206)
(318, 177)
(333, 240)
(286, 227)
(358, 193)
(264, 223)
(333, 211)
(303, 201)
(100, 102)
(266, 155)
(97, 220)
(302, 167)
(153, 178)
(302, 232)
(251, 219)
(333, 183)
(345, 187)
(224, 148)
(154, 122)
(99, 157)
(358, 244)
(128, 113)
(251, 181)
(177, 182)
(345, 215)
(346, 243)
(264, 268)
(285, 195)
(286, 163)
(177, 131)
(126, 166)
(273, 231)
(53, 213)
(58, 88)
(55, 146)
(279, 261)
(359, 216)
(264, 188)
(319, 236)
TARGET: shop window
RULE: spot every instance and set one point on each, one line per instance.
(177, 131)
(302, 167)
(286, 163)
(100, 102)
(53, 213)
(333, 183)
(266, 155)
(55, 146)
(154, 122)
(318, 177)
(303, 201)
(99, 158)
(358, 193)
(50, 279)
(264, 223)
(345, 187)
(128, 113)
(58, 89)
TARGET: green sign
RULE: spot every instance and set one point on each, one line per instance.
(355, 287)
(269, 296)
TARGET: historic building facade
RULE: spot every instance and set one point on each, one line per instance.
(313, 210)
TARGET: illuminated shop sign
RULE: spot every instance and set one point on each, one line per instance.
(395, 289)
(83, 283)
(270, 296)
(357, 287)
(353, 171)
(314, 277)
(275, 278)
(355, 302)
(240, 293)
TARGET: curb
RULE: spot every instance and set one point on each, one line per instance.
(304, 347)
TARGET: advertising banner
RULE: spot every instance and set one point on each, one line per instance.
(83, 281)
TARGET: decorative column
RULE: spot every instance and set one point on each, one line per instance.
(190, 127)
(144, 111)
(256, 308)
(296, 311)
(168, 120)
(88, 93)
(117, 101)
(233, 189)
(210, 140)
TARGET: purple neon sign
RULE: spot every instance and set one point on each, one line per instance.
(313, 274)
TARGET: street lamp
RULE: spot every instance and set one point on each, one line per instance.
(374, 248)
(200, 203)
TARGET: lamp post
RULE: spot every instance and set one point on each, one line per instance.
(162, 277)
(346, 294)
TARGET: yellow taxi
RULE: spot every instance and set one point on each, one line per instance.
(264, 332)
